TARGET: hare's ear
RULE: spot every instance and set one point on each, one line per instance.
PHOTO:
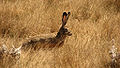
(65, 18)
(68, 15)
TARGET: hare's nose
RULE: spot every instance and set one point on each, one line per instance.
(69, 33)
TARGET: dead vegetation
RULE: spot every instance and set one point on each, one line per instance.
(93, 23)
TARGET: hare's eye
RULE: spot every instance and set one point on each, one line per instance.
(66, 30)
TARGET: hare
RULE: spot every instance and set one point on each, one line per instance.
(50, 42)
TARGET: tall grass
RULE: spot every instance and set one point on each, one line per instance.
(93, 23)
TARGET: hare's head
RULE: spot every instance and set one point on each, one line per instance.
(64, 31)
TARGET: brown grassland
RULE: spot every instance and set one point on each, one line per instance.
(93, 23)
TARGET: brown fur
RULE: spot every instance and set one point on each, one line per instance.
(49, 42)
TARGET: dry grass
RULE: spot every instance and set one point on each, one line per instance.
(93, 23)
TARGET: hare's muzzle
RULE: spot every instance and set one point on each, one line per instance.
(69, 33)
